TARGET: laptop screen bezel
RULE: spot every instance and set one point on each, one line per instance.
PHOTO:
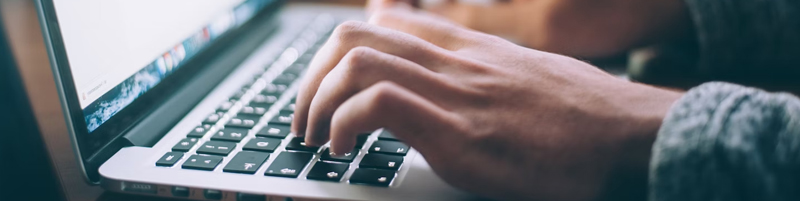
(127, 117)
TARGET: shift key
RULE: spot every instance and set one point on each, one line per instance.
(289, 164)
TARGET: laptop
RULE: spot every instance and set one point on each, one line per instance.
(193, 99)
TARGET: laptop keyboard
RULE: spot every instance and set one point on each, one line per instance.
(254, 124)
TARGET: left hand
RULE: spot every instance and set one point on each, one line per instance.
(490, 117)
(579, 28)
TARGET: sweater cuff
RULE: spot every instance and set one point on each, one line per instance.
(727, 142)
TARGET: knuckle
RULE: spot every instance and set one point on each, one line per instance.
(358, 61)
(381, 95)
(349, 30)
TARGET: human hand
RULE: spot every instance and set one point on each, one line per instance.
(581, 28)
(490, 117)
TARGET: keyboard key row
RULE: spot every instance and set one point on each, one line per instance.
(232, 134)
(216, 148)
(243, 121)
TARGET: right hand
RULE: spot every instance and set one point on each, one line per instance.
(490, 117)
(580, 28)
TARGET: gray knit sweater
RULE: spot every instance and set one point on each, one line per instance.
(727, 142)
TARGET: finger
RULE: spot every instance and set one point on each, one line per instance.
(360, 68)
(412, 118)
(434, 29)
(353, 34)
(499, 18)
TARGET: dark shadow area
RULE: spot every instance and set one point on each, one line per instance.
(25, 169)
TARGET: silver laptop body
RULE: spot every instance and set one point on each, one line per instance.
(215, 128)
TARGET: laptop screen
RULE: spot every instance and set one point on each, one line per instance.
(119, 49)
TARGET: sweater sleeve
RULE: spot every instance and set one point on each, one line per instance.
(747, 39)
(727, 142)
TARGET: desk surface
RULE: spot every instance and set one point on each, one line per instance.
(31, 56)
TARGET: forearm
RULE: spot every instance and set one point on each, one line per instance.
(726, 142)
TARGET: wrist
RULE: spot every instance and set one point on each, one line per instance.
(646, 107)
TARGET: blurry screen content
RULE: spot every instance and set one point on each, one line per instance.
(119, 49)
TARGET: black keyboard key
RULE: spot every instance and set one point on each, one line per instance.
(381, 161)
(345, 157)
(265, 101)
(243, 121)
(254, 111)
(274, 89)
(274, 131)
(185, 144)
(296, 68)
(283, 118)
(200, 162)
(386, 135)
(373, 177)
(246, 162)
(213, 118)
(389, 147)
(224, 107)
(361, 140)
(216, 148)
(299, 144)
(327, 171)
(262, 144)
(169, 159)
(230, 134)
(288, 164)
(199, 131)
(306, 58)
(285, 79)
